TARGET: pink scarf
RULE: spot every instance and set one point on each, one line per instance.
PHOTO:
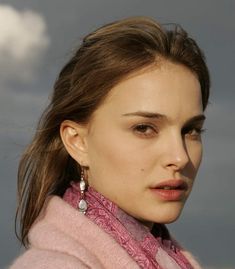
(150, 249)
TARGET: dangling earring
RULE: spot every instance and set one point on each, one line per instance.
(82, 205)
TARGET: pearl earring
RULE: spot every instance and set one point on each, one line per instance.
(82, 205)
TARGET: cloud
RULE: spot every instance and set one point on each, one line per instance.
(23, 41)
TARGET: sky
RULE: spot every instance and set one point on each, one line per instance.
(36, 40)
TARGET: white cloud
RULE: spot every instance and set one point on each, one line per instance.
(23, 41)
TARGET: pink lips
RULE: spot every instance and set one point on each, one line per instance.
(170, 190)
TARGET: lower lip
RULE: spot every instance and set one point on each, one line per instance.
(169, 195)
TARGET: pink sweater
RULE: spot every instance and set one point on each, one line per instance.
(64, 238)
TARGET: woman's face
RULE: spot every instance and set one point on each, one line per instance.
(144, 144)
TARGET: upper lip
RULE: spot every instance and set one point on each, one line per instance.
(173, 183)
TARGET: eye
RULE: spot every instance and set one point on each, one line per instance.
(145, 130)
(194, 132)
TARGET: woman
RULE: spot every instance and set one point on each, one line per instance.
(116, 152)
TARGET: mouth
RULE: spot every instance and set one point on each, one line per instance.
(171, 190)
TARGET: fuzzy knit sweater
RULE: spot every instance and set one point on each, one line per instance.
(62, 237)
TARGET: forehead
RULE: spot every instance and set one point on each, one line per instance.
(169, 89)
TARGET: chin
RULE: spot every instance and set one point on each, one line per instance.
(168, 215)
(171, 219)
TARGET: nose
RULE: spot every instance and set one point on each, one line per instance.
(176, 155)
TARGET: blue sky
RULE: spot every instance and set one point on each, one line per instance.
(36, 39)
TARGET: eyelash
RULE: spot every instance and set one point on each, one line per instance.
(154, 131)
(198, 130)
(145, 127)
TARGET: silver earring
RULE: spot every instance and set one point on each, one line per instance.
(82, 205)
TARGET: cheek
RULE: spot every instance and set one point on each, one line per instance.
(195, 151)
(117, 157)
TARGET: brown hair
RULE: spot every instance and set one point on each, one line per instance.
(105, 57)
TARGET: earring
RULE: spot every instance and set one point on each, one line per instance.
(82, 205)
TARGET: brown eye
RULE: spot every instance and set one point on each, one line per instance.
(145, 130)
(194, 132)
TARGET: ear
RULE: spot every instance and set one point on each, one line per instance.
(73, 136)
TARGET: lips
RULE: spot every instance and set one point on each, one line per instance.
(171, 184)
(170, 190)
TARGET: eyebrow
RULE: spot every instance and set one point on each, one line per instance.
(152, 115)
(195, 119)
(145, 114)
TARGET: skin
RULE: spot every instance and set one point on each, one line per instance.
(128, 148)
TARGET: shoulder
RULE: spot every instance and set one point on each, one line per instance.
(54, 241)
(47, 259)
(62, 237)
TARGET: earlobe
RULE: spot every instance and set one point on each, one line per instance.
(73, 136)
